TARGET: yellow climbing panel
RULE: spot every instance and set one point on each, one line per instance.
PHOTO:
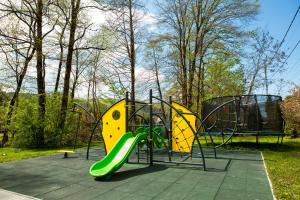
(182, 134)
(114, 124)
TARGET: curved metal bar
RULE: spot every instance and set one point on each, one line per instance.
(94, 129)
(91, 136)
(164, 123)
(236, 120)
(132, 115)
(139, 102)
(195, 134)
(161, 139)
(217, 108)
(166, 128)
(202, 124)
(138, 115)
(85, 109)
(251, 95)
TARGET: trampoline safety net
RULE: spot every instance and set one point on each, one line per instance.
(247, 114)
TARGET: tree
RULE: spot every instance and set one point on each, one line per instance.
(224, 76)
(265, 58)
(125, 24)
(18, 55)
(31, 13)
(195, 27)
(64, 18)
(75, 35)
(75, 9)
(156, 60)
(40, 68)
(290, 108)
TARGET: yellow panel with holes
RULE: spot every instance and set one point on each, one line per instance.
(182, 134)
(114, 124)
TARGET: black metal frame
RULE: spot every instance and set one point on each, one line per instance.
(79, 117)
(207, 129)
(150, 144)
(169, 104)
(99, 120)
(257, 132)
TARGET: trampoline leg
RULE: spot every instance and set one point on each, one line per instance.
(256, 139)
(278, 139)
(215, 152)
(138, 153)
(281, 139)
(206, 141)
(223, 137)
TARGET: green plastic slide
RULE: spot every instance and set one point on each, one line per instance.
(117, 156)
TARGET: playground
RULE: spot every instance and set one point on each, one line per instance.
(151, 150)
(137, 99)
(55, 177)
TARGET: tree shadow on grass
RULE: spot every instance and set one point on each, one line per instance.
(122, 175)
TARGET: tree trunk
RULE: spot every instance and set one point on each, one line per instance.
(200, 85)
(40, 72)
(184, 81)
(266, 80)
(74, 85)
(158, 84)
(132, 56)
(19, 85)
(65, 96)
(192, 76)
(252, 81)
(59, 66)
(94, 93)
(88, 95)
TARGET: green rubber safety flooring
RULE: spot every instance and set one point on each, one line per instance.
(233, 175)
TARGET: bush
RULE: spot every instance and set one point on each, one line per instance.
(25, 123)
(290, 108)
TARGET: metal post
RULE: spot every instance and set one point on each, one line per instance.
(126, 111)
(78, 127)
(126, 116)
(150, 127)
(257, 119)
(171, 130)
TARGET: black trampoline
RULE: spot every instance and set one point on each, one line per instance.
(258, 115)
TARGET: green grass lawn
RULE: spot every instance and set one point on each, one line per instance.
(9, 153)
(282, 161)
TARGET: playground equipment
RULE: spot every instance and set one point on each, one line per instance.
(118, 155)
(258, 115)
(167, 132)
(159, 131)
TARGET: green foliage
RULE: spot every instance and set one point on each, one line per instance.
(25, 123)
(3, 102)
(290, 108)
(52, 132)
(2, 115)
(224, 76)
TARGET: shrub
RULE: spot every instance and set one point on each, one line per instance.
(25, 123)
(290, 108)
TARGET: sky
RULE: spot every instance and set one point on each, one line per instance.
(275, 17)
